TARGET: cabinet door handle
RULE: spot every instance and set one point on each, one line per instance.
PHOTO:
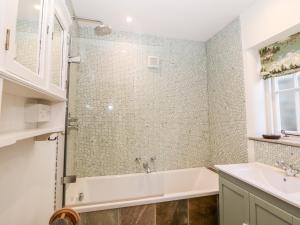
(7, 39)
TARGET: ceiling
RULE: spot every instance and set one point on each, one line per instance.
(29, 9)
(183, 19)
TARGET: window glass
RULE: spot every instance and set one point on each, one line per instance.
(285, 82)
(288, 111)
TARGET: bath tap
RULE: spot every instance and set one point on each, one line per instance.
(138, 160)
(153, 158)
(147, 167)
(290, 170)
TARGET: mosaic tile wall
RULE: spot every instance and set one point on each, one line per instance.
(227, 113)
(269, 153)
(127, 110)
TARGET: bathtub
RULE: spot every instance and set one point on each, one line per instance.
(110, 192)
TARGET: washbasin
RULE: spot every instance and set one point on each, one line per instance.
(267, 178)
(272, 177)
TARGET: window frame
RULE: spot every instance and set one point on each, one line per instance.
(274, 109)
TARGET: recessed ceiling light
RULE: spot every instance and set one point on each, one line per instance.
(110, 107)
(37, 7)
(129, 19)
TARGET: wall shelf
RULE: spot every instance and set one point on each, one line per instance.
(289, 141)
(16, 86)
(10, 138)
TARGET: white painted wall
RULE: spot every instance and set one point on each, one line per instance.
(2, 37)
(27, 171)
(265, 19)
(263, 23)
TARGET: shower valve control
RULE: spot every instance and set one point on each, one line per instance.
(80, 196)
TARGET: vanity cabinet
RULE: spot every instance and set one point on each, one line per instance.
(263, 213)
(241, 206)
(234, 204)
(296, 221)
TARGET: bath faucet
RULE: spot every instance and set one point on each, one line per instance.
(138, 160)
(290, 170)
(153, 158)
(147, 167)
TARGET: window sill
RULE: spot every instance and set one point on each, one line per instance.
(289, 141)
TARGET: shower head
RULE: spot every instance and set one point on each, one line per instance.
(102, 30)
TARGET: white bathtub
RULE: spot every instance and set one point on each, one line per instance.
(108, 192)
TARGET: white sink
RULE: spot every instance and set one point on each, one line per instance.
(267, 178)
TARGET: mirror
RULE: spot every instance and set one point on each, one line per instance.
(28, 33)
(57, 53)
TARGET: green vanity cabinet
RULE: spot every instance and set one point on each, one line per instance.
(263, 213)
(296, 221)
(234, 204)
(240, 205)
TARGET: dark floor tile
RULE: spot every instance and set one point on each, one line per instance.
(172, 213)
(106, 217)
(203, 211)
(138, 215)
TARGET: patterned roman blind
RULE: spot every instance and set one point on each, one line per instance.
(281, 58)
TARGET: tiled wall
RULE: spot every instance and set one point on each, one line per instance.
(227, 114)
(127, 110)
(269, 153)
(197, 211)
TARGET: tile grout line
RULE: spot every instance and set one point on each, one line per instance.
(155, 212)
(188, 212)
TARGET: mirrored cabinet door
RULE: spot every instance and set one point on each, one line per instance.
(57, 53)
(28, 34)
(24, 38)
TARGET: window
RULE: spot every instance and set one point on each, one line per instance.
(286, 103)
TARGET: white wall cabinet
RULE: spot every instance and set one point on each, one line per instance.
(24, 39)
(33, 66)
(35, 36)
(32, 73)
(58, 48)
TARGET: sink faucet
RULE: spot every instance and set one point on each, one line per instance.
(290, 170)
